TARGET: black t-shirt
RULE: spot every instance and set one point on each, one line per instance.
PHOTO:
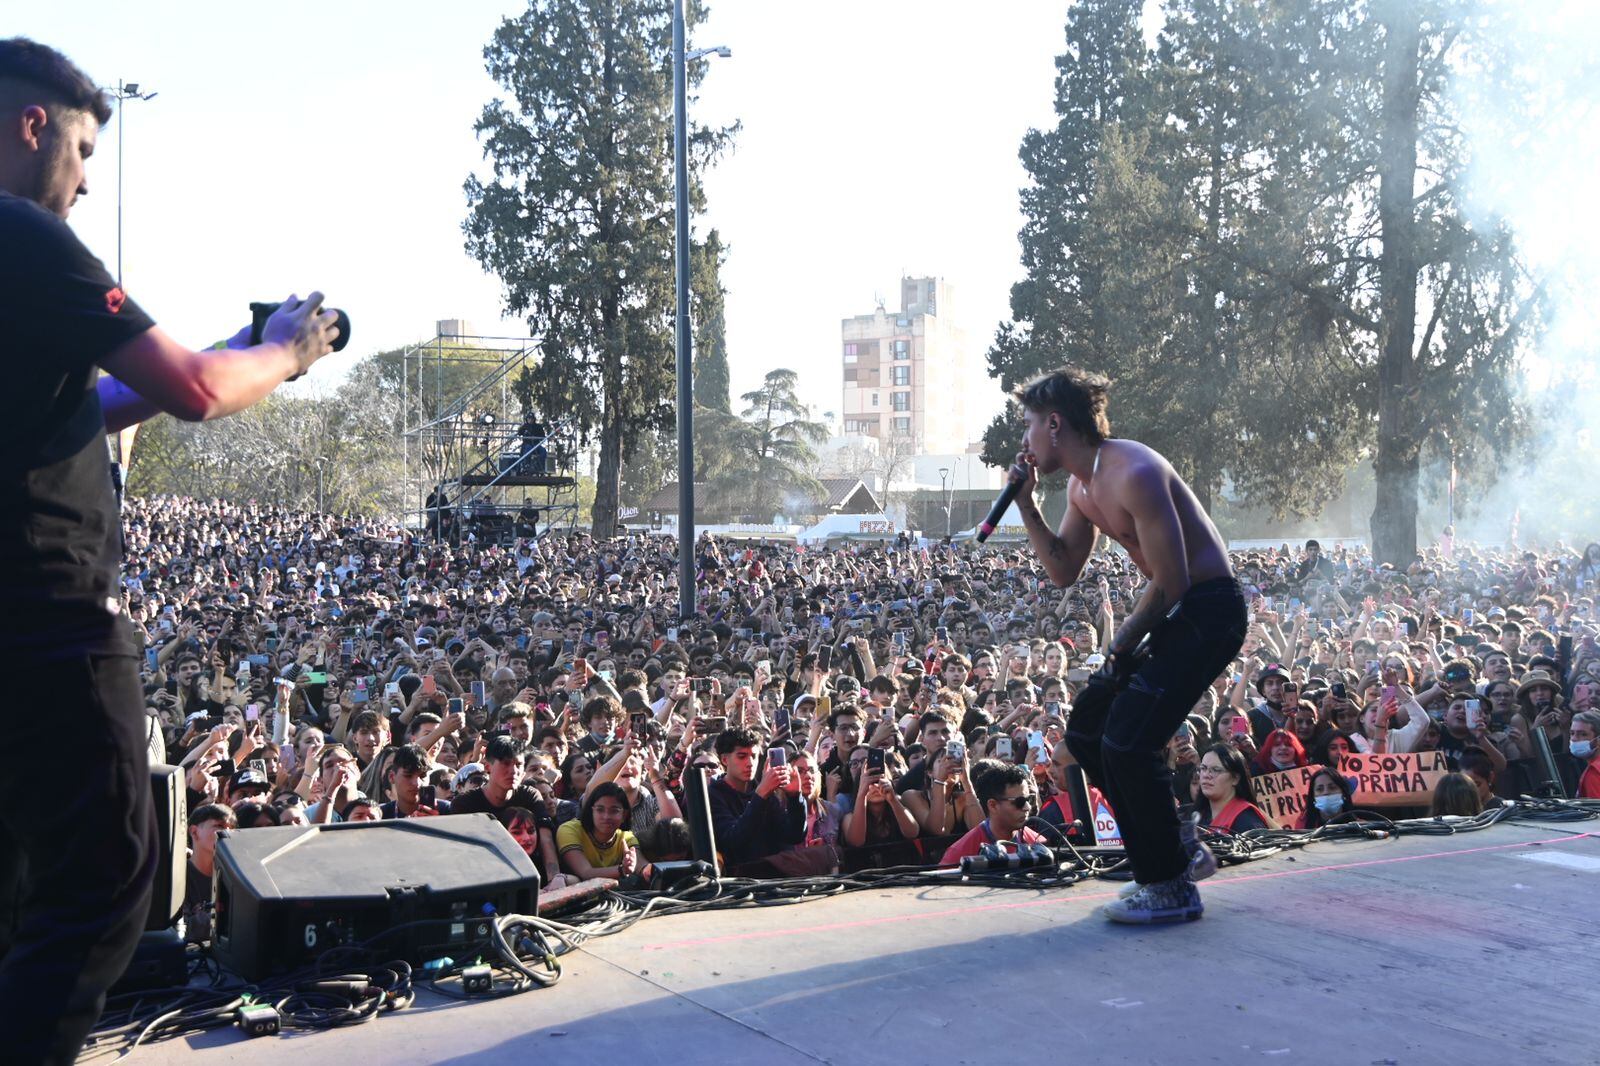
(197, 905)
(476, 801)
(1452, 748)
(61, 314)
(391, 810)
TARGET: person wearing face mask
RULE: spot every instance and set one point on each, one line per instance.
(1583, 744)
(1327, 796)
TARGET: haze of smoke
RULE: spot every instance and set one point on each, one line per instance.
(1535, 156)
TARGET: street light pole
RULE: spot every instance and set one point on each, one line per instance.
(944, 472)
(124, 93)
(320, 461)
(680, 188)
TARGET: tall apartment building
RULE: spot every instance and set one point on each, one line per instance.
(905, 372)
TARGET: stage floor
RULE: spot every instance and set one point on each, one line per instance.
(1462, 949)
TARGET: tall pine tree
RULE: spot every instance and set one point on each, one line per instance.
(576, 217)
(1259, 233)
(712, 385)
(1052, 308)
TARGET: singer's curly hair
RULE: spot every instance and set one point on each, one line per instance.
(31, 72)
(1077, 395)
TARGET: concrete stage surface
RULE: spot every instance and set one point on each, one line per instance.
(1462, 949)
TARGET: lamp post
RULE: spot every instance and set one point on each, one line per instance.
(123, 93)
(680, 188)
(322, 461)
(944, 472)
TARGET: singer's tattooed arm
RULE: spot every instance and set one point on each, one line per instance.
(1065, 554)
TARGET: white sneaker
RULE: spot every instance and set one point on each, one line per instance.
(1177, 900)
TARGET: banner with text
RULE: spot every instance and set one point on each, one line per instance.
(1282, 795)
(1394, 780)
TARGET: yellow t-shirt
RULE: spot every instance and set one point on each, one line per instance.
(573, 836)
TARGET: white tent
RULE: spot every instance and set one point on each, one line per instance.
(1010, 528)
(850, 525)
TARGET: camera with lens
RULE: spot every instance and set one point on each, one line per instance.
(260, 312)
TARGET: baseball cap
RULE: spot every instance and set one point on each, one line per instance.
(467, 771)
(248, 778)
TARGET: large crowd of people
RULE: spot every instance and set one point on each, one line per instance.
(852, 707)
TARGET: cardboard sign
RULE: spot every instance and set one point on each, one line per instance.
(1106, 833)
(1394, 780)
(1282, 795)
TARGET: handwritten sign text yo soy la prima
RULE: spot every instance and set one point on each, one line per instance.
(1394, 780)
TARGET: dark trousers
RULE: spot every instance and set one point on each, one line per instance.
(1119, 734)
(78, 849)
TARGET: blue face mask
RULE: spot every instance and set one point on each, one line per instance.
(1582, 748)
(1328, 806)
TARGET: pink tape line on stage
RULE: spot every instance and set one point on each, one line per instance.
(767, 934)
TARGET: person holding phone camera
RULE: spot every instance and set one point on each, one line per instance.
(413, 798)
(752, 820)
(74, 918)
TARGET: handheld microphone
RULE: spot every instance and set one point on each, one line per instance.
(1002, 504)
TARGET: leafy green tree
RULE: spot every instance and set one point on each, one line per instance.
(1053, 305)
(1260, 234)
(712, 384)
(781, 436)
(576, 215)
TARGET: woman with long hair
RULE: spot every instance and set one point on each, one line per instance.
(576, 770)
(877, 816)
(1227, 799)
(597, 843)
(1328, 795)
(1456, 793)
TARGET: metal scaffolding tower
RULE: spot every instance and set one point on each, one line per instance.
(475, 463)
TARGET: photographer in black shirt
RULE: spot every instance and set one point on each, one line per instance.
(76, 867)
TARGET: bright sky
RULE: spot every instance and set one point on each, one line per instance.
(323, 145)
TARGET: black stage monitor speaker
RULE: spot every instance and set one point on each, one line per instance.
(423, 887)
(171, 800)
